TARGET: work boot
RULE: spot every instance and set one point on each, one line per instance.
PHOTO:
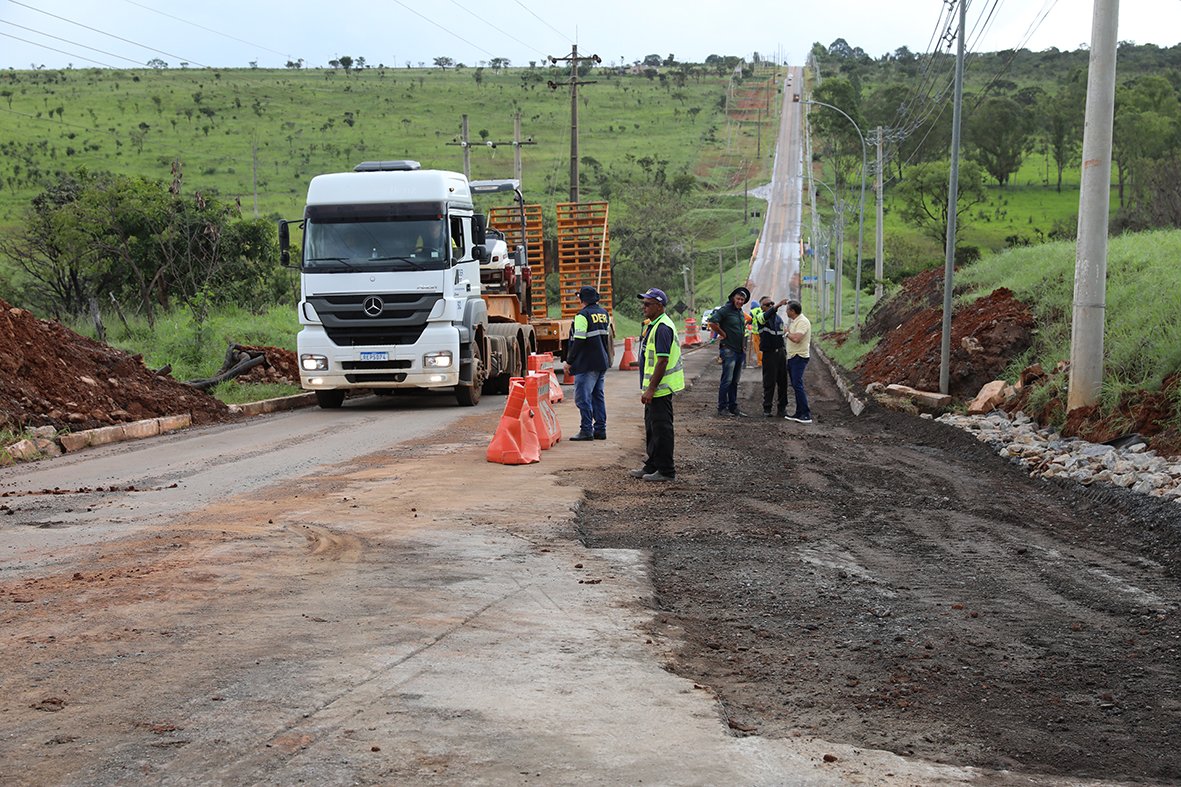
(639, 472)
(600, 435)
(658, 476)
(767, 412)
(582, 437)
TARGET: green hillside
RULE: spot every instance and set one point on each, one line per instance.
(299, 123)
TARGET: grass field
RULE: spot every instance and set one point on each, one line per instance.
(229, 127)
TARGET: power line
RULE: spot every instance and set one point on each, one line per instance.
(60, 51)
(547, 24)
(494, 27)
(445, 29)
(68, 41)
(45, 119)
(209, 29)
(110, 35)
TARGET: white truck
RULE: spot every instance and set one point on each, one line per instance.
(390, 287)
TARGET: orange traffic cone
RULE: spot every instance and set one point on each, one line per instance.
(692, 336)
(515, 441)
(549, 431)
(628, 362)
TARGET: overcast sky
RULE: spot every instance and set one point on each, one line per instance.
(232, 33)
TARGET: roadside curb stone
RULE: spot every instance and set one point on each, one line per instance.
(274, 405)
(1044, 453)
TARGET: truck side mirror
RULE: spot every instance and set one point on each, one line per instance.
(479, 229)
(480, 252)
(284, 244)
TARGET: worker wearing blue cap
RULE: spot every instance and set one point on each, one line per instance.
(661, 375)
(588, 356)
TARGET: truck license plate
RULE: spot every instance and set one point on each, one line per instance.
(375, 356)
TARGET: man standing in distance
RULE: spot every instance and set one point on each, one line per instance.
(588, 355)
(730, 324)
(799, 339)
(774, 358)
(661, 375)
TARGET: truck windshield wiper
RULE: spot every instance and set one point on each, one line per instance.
(407, 260)
(342, 260)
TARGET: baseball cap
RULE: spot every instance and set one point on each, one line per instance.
(655, 295)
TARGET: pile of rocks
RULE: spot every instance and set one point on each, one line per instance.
(1046, 454)
(40, 443)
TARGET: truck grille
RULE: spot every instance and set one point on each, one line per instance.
(400, 320)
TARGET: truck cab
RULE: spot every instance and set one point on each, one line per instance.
(390, 283)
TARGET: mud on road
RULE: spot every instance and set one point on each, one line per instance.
(888, 582)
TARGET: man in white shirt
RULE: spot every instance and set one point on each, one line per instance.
(799, 338)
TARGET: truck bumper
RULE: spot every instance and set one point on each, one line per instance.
(403, 366)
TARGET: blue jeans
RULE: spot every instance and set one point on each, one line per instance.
(795, 369)
(591, 402)
(732, 362)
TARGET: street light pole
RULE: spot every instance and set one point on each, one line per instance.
(861, 209)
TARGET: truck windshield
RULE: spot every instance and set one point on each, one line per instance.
(376, 244)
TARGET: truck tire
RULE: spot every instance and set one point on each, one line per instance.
(469, 395)
(330, 400)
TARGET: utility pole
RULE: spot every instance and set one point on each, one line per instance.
(467, 147)
(721, 280)
(254, 169)
(838, 300)
(516, 143)
(879, 250)
(759, 134)
(953, 194)
(574, 60)
(1090, 262)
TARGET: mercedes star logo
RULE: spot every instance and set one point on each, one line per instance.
(373, 306)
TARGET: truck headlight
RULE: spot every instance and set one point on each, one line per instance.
(313, 363)
(437, 360)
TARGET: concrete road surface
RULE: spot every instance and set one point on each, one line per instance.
(355, 597)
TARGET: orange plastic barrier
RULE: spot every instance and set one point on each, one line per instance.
(544, 362)
(628, 362)
(692, 337)
(516, 441)
(549, 432)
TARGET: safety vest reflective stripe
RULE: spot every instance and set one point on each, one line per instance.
(674, 373)
(595, 332)
(767, 329)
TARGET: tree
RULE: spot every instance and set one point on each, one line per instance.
(1062, 122)
(652, 60)
(651, 236)
(444, 62)
(998, 132)
(346, 62)
(156, 63)
(924, 196)
(497, 64)
(1147, 123)
(841, 142)
(478, 76)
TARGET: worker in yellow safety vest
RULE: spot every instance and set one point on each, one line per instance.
(662, 374)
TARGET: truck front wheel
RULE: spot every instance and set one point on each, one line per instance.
(330, 400)
(469, 395)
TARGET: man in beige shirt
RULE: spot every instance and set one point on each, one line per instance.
(799, 339)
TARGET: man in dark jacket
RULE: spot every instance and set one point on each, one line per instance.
(588, 356)
(771, 332)
(729, 322)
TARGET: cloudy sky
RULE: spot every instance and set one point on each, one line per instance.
(233, 33)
